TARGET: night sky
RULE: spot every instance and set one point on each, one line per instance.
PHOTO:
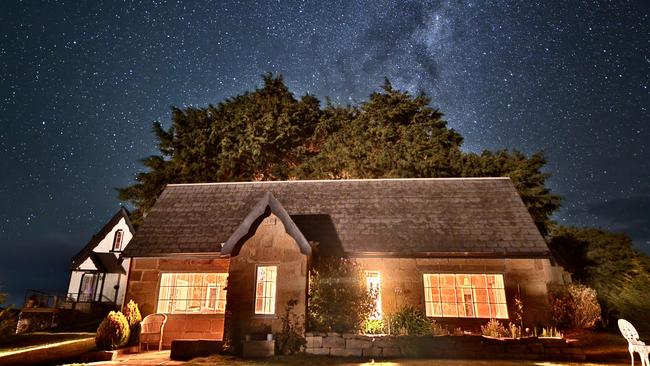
(81, 83)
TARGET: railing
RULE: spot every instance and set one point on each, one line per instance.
(48, 299)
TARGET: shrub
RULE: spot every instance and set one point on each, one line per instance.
(132, 314)
(290, 340)
(8, 318)
(113, 332)
(438, 329)
(339, 299)
(575, 306)
(551, 332)
(409, 320)
(514, 331)
(494, 328)
(374, 326)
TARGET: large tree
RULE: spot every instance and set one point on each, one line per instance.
(608, 263)
(268, 134)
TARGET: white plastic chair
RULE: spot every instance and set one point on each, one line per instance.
(153, 326)
(633, 342)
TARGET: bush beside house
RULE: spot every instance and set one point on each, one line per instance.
(113, 332)
(339, 299)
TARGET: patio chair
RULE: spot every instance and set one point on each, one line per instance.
(153, 326)
(633, 342)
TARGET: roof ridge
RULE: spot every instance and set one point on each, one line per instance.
(340, 180)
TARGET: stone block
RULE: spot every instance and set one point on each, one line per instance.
(391, 352)
(384, 342)
(318, 351)
(349, 335)
(536, 348)
(258, 349)
(333, 334)
(581, 358)
(314, 341)
(371, 352)
(333, 342)
(358, 343)
(346, 352)
(516, 349)
(573, 350)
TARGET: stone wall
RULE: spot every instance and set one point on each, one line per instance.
(402, 283)
(269, 245)
(143, 285)
(457, 347)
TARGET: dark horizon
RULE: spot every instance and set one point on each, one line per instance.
(81, 84)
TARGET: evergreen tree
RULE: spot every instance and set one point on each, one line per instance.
(268, 134)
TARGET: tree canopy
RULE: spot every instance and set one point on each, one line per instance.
(608, 263)
(268, 134)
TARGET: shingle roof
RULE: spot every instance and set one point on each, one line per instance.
(463, 216)
(402, 217)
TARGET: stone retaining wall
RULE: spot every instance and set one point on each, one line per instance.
(471, 346)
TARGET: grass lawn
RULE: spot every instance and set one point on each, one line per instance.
(17, 342)
(305, 360)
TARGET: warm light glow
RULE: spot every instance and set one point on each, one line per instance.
(458, 295)
(373, 281)
(265, 289)
(189, 293)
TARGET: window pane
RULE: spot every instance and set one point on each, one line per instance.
(265, 290)
(449, 310)
(373, 282)
(462, 280)
(192, 293)
(465, 295)
(447, 280)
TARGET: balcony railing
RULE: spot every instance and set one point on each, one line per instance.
(49, 299)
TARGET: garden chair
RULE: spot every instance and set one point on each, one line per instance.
(153, 326)
(633, 342)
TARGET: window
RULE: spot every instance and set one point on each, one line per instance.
(192, 293)
(117, 240)
(265, 290)
(465, 296)
(373, 282)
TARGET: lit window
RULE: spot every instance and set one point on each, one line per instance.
(117, 240)
(265, 290)
(465, 296)
(373, 282)
(192, 293)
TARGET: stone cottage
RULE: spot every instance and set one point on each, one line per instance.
(229, 256)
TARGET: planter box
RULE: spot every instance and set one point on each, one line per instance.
(187, 349)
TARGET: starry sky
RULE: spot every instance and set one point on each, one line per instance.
(82, 81)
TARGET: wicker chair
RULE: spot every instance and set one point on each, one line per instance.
(633, 342)
(153, 326)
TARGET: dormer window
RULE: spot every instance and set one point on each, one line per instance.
(117, 240)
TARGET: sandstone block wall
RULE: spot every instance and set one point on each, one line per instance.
(472, 347)
(402, 282)
(143, 286)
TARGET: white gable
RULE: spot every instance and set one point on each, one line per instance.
(106, 243)
(88, 265)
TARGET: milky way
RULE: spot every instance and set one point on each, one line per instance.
(81, 84)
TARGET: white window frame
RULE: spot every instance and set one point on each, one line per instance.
(174, 293)
(117, 244)
(267, 294)
(469, 289)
